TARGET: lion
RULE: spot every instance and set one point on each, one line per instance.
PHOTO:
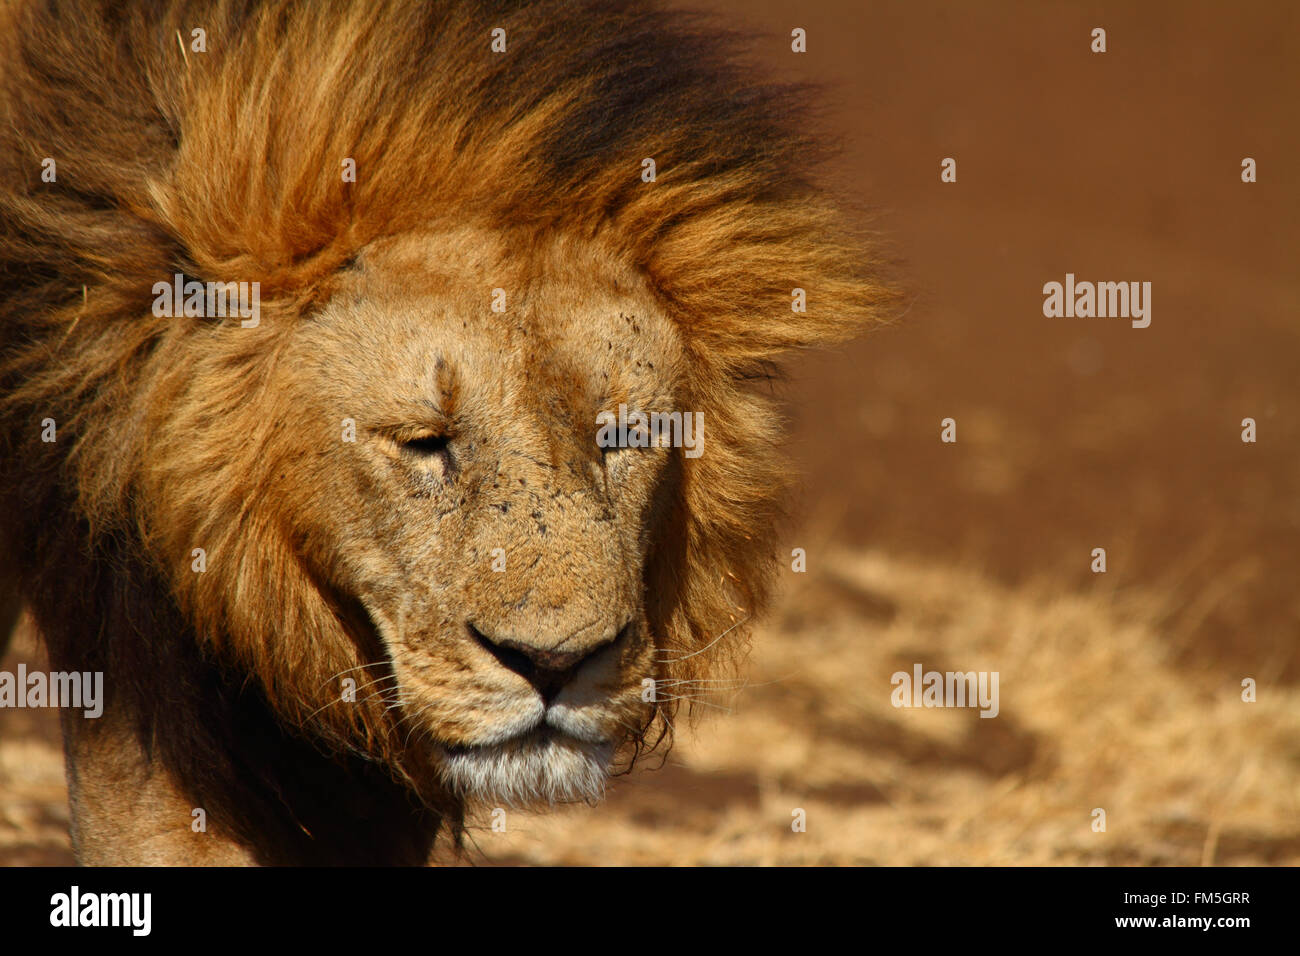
(352, 562)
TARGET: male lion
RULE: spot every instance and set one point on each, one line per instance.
(354, 559)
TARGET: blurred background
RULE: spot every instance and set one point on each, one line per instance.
(1119, 691)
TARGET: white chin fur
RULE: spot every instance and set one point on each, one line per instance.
(530, 770)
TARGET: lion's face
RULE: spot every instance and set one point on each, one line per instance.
(498, 549)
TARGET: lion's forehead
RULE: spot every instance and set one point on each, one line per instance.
(561, 330)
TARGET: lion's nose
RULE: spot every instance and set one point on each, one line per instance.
(547, 669)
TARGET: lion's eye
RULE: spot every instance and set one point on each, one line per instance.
(426, 446)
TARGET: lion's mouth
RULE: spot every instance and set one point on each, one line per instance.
(540, 736)
(543, 764)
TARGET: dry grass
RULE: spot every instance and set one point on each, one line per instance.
(33, 795)
(1093, 714)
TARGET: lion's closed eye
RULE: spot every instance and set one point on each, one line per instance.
(424, 449)
(426, 446)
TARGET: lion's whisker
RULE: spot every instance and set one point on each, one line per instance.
(340, 674)
(701, 701)
(340, 700)
(708, 645)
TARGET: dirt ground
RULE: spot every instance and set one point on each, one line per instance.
(1118, 691)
